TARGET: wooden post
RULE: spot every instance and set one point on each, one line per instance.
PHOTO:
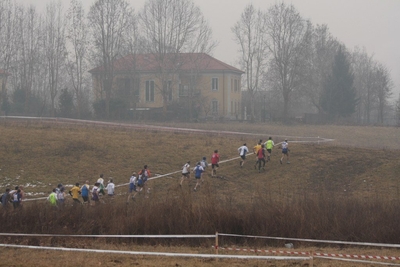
(311, 258)
(216, 243)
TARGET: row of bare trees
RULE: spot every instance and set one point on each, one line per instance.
(51, 52)
(34, 55)
(286, 58)
(289, 60)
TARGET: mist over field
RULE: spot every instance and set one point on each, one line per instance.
(63, 60)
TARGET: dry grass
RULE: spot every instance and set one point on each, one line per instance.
(327, 192)
(23, 257)
(349, 136)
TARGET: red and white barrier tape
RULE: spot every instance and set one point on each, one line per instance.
(316, 240)
(165, 254)
(357, 256)
(314, 254)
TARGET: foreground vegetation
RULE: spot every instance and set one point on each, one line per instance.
(327, 192)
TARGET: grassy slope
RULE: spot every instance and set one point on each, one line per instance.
(54, 154)
(36, 153)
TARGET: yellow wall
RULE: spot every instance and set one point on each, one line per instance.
(228, 99)
(226, 95)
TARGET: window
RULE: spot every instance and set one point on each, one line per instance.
(169, 90)
(135, 89)
(236, 85)
(214, 106)
(149, 91)
(183, 90)
(231, 85)
(214, 85)
(136, 93)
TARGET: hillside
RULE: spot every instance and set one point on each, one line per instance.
(328, 191)
(45, 155)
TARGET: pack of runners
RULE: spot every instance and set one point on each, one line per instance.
(137, 181)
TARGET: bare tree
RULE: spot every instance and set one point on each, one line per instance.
(397, 110)
(320, 56)
(77, 60)
(383, 86)
(363, 66)
(171, 27)
(8, 39)
(109, 21)
(55, 49)
(286, 31)
(249, 33)
(28, 62)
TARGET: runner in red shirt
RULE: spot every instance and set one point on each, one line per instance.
(261, 158)
(214, 163)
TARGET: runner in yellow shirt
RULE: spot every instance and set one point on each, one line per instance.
(74, 192)
(255, 150)
(269, 145)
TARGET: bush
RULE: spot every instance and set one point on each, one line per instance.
(118, 109)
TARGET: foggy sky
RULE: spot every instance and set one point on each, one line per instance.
(373, 24)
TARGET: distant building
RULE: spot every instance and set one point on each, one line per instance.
(195, 80)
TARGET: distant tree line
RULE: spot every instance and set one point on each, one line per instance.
(291, 66)
(47, 55)
(294, 67)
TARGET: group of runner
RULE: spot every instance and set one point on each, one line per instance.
(260, 149)
(12, 197)
(89, 196)
(137, 181)
(93, 196)
(200, 168)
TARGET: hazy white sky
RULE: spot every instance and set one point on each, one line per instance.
(373, 24)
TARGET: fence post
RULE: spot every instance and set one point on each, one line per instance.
(216, 243)
(311, 258)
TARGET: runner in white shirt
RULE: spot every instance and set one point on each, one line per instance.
(132, 186)
(185, 172)
(243, 150)
(110, 188)
(285, 151)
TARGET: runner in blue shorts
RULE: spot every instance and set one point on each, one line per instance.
(285, 151)
(132, 186)
(198, 171)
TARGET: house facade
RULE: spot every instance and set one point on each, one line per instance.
(196, 82)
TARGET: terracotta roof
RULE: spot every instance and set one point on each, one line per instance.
(181, 61)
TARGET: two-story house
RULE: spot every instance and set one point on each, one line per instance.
(149, 81)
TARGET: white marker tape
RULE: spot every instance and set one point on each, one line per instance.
(316, 240)
(117, 236)
(165, 254)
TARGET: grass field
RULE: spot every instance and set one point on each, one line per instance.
(345, 190)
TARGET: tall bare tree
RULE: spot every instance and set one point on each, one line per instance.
(286, 31)
(318, 64)
(383, 86)
(170, 27)
(55, 49)
(78, 40)
(363, 66)
(28, 62)
(8, 40)
(249, 33)
(109, 21)
(397, 110)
